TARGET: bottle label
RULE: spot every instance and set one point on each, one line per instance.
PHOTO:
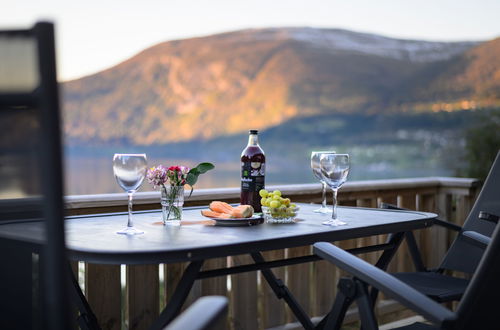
(252, 176)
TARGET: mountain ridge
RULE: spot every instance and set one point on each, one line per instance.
(341, 39)
(205, 87)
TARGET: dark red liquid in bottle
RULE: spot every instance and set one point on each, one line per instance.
(253, 166)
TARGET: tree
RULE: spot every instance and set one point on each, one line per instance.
(482, 144)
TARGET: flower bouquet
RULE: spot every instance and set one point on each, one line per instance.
(171, 180)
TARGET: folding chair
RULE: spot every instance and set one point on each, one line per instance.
(34, 293)
(477, 308)
(466, 250)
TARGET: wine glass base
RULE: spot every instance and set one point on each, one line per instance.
(335, 222)
(130, 231)
(324, 210)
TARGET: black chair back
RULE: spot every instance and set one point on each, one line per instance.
(479, 306)
(31, 181)
(462, 256)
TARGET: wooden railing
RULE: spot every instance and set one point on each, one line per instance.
(132, 296)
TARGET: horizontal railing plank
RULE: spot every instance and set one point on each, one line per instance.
(301, 192)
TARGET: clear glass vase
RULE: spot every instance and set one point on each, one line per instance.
(172, 200)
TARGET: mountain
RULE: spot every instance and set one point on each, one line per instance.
(474, 76)
(202, 88)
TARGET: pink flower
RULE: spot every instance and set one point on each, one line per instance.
(177, 175)
(157, 176)
(184, 169)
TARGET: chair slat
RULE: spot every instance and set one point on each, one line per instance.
(15, 99)
(16, 286)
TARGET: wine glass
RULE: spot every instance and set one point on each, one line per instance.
(129, 170)
(334, 169)
(315, 166)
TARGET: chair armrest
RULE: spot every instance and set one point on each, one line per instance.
(439, 222)
(476, 239)
(489, 217)
(447, 224)
(204, 314)
(386, 283)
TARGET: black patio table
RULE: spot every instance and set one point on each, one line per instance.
(93, 238)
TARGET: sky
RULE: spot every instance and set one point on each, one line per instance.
(93, 35)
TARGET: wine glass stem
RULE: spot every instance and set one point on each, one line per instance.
(324, 195)
(334, 213)
(129, 223)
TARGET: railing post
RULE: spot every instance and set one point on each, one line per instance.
(428, 203)
(142, 295)
(173, 273)
(298, 279)
(103, 292)
(407, 200)
(273, 309)
(244, 296)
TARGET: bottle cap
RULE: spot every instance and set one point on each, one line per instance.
(254, 131)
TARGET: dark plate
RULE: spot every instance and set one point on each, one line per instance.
(239, 222)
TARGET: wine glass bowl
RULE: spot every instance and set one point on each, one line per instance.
(334, 170)
(129, 171)
(316, 168)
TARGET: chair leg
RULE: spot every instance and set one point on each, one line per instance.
(386, 257)
(414, 252)
(282, 292)
(350, 289)
(345, 297)
(365, 307)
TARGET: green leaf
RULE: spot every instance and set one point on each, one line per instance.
(191, 178)
(205, 167)
(194, 170)
(193, 174)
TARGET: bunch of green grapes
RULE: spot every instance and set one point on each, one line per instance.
(279, 207)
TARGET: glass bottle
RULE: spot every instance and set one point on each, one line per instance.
(253, 168)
